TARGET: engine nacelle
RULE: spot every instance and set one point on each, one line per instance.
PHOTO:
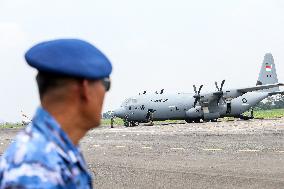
(210, 116)
(194, 113)
(197, 112)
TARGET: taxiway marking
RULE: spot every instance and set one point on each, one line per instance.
(212, 149)
(146, 147)
(177, 148)
(120, 146)
(249, 150)
(97, 145)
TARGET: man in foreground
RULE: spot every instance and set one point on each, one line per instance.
(72, 78)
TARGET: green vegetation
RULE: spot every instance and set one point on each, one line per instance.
(276, 113)
(11, 125)
(106, 122)
(271, 107)
(271, 103)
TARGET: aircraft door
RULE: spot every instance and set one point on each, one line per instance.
(229, 107)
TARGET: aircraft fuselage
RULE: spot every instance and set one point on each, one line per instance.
(181, 107)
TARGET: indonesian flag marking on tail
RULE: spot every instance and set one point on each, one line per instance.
(268, 68)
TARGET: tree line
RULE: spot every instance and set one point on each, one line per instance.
(273, 102)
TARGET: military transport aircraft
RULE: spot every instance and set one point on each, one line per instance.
(201, 106)
(25, 119)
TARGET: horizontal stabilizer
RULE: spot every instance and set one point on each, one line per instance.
(276, 93)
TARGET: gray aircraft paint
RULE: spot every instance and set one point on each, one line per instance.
(165, 106)
(245, 102)
(268, 73)
(180, 106)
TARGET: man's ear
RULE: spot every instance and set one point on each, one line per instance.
(84, 90)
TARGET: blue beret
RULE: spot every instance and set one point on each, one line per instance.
(72, 57)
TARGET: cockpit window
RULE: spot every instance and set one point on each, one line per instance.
(134, 100)
(126, 101)
(129, 102)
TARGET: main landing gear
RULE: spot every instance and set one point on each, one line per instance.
(199, 120)
(214, 120)
(251, 116)
(150, 116)
(192, 120)
(128, 123)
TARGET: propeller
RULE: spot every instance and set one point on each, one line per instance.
(220, 91)
(222, 84)
(197, 95)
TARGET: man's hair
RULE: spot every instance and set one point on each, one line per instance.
(50, 81)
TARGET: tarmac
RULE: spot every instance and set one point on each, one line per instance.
(228, 154)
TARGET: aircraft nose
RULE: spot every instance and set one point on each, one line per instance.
(120, 112)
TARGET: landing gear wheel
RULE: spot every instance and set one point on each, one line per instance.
(133, 123)
(126, 123)
(252, 113)
(196, 120)
(189, 121)
(150, 116)
(213, 120)
(246, 118)
(242, 117)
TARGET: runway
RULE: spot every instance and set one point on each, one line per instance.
(235, 154)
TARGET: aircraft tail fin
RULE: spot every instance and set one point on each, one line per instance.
(268, 73)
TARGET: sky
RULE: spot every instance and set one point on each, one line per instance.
(152, 44)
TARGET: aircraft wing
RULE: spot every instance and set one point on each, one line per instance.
(259, 87)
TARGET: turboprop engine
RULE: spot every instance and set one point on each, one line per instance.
(194, 113)
(201, 113)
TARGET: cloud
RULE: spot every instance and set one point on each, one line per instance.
(16, 79)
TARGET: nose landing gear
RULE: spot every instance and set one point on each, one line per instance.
(251, 116)
(150, 116)
(128, 123)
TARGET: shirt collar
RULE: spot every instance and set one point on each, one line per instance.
(51, 129)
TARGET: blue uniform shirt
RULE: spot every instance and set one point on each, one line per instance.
(42, 156)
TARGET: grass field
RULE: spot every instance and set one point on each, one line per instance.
(277, 113)
(11, 125)
(259, 114)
